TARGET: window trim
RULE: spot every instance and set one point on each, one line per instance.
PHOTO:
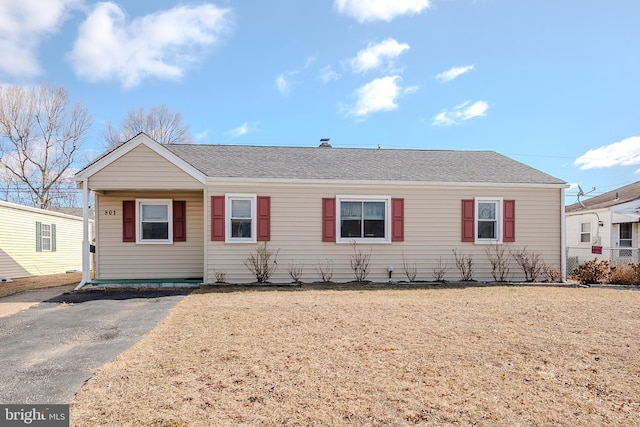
(582, 233)
(364, 198)
(139, 231)
(499, 202)
(228, 198)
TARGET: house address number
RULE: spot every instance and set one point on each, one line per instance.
(110, 212)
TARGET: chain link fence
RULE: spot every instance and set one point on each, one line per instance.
(578, 255)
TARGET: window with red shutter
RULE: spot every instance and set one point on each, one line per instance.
(494, 221)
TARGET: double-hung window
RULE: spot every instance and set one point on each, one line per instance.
(488, 220)
(585, 232)
(241, 214)
(154, 218)
(45, 237)
(363, 219)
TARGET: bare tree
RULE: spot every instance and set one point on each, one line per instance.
(159, 123)
(40, 134)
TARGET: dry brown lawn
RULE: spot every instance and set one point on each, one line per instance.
(38, 282)
(459, 356)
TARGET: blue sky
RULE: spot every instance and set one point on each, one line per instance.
(553, 84)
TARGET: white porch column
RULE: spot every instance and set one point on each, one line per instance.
(86, 268)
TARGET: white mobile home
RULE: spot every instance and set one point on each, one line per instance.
(35, 241)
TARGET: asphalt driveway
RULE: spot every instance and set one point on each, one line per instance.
(48, 351)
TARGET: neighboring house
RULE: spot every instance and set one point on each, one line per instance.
(36, 241)
(604, 227)
(191, 211)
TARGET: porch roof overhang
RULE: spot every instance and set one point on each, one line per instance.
(625, 216)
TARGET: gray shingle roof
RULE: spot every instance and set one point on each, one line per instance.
(262, 162)
(625, 194)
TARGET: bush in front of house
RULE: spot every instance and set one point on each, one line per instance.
(263, 263)
(624, 273)
(592, 272)
(360, 263)
(530, 262)
(464, 264)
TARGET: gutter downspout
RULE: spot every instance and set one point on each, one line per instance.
(563, 239)
(86, 274)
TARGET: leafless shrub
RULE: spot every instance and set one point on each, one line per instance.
(325, 269)
(440, 271)
(410, 269)
(360, 263)
(592, 271)
(499, 259)
(530, 262)
(220, 276)
(295, 271)
(624, 274)
(551, 274)
(263, 263)
(464, 264)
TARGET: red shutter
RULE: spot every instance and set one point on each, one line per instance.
(468, 221)
(328, 219)
(179, 221)
(264, 219)
(217, 218)
(397, 220)
(509, 222)
(128, 220)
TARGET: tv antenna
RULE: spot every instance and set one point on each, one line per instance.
(582, 194)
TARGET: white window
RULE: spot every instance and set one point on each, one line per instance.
(488, 220)
(154, 220)
(585, 232)
(241, 218)
(363, 219)
(45, 237)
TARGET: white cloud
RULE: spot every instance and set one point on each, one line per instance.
(200, 136)
(376, 55)
(379, 10)
(161, 45)
(622, 153)
(453, 73)
(460, 113)
(283, 85)
(326, 74)
(378, 95)
(243, 129)
(23, 26)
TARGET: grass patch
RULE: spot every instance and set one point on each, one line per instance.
(482, 356)
(38, 282)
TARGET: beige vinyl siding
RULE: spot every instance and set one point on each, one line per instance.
(116, 259)
(142, 168)
(18, 255)
(432, 229)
